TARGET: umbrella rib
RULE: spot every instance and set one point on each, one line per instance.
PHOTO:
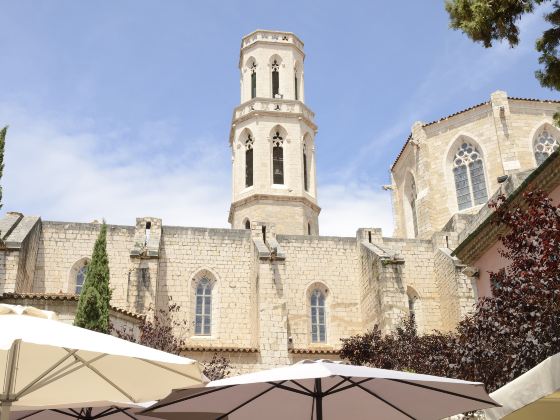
(344, 388)
(382, 399)
(65, 413)
(93, 369)
(344, 379)
(302, 387)
(37, 381)
(123, 411)
(287, 388)
(151, 362)
(110, 411)
(30, 414)
(250, 400)
(55, 376)
(445, 392)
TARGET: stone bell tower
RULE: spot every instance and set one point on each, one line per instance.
(272, 138)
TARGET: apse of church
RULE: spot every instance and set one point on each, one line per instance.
(271, 290)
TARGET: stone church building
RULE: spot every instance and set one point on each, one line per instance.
(271, 290)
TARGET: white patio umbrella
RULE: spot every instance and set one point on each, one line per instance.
(327, 390)
(533, 395)
(45, 363)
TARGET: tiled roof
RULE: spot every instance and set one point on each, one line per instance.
(62, 297)
(548, 101)
(315, 351)
(221, 349)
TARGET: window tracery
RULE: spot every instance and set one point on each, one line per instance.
(470, 183)
(277, 158)
(80, 279)
(545, 144)
(249, 161)
(203, 307)
(275, 79)
(318, 317)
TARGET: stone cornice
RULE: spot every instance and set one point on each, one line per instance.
(271, 197)
(546, 177)
(271, 107)
(261, 36)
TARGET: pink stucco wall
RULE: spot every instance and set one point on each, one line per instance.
(491, 260)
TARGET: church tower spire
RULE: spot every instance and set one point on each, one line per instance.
(272, 138)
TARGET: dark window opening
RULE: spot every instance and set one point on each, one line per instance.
(305, 180)
(278, 164)
(249, 167)
(264, 233)
(275, 79)
(369, 236)
(277, 159)
(309, 228)
(148, 231)
(247, 224)
(253, 84)
(296, 87)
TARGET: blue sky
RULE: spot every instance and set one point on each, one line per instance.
(121, 109)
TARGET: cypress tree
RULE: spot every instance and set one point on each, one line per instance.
(93, 306)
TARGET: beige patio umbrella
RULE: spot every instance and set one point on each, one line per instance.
(326, 390)
(45, 363)
(533, 395)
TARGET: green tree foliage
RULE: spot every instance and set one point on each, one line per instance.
(2, 144)
(487, 21)
(94, 303)
(507, 334)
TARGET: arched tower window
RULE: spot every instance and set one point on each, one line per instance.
(80, 279)
(253, 71)
(305, 171)
(545, 144)
(318, 317)
(275, 78)
(468, 170)
(277, 158)
(249, 161)
(309, 228)
(203, 307)
(247, 224)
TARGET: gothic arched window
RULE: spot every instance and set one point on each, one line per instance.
(318, 317)
(277, 158)
(305, 177)
(203, 309)
(247, 224)
(253, 70)
(249, 161)
(275, 78)
(545, 144)
(80, 279)
(470, 183)
(413, 303)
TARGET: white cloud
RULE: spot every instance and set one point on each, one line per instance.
(67, 171)
(351, 206)
(75, 175)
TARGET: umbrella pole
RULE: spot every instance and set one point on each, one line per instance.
(5, 408)
(318, 399)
